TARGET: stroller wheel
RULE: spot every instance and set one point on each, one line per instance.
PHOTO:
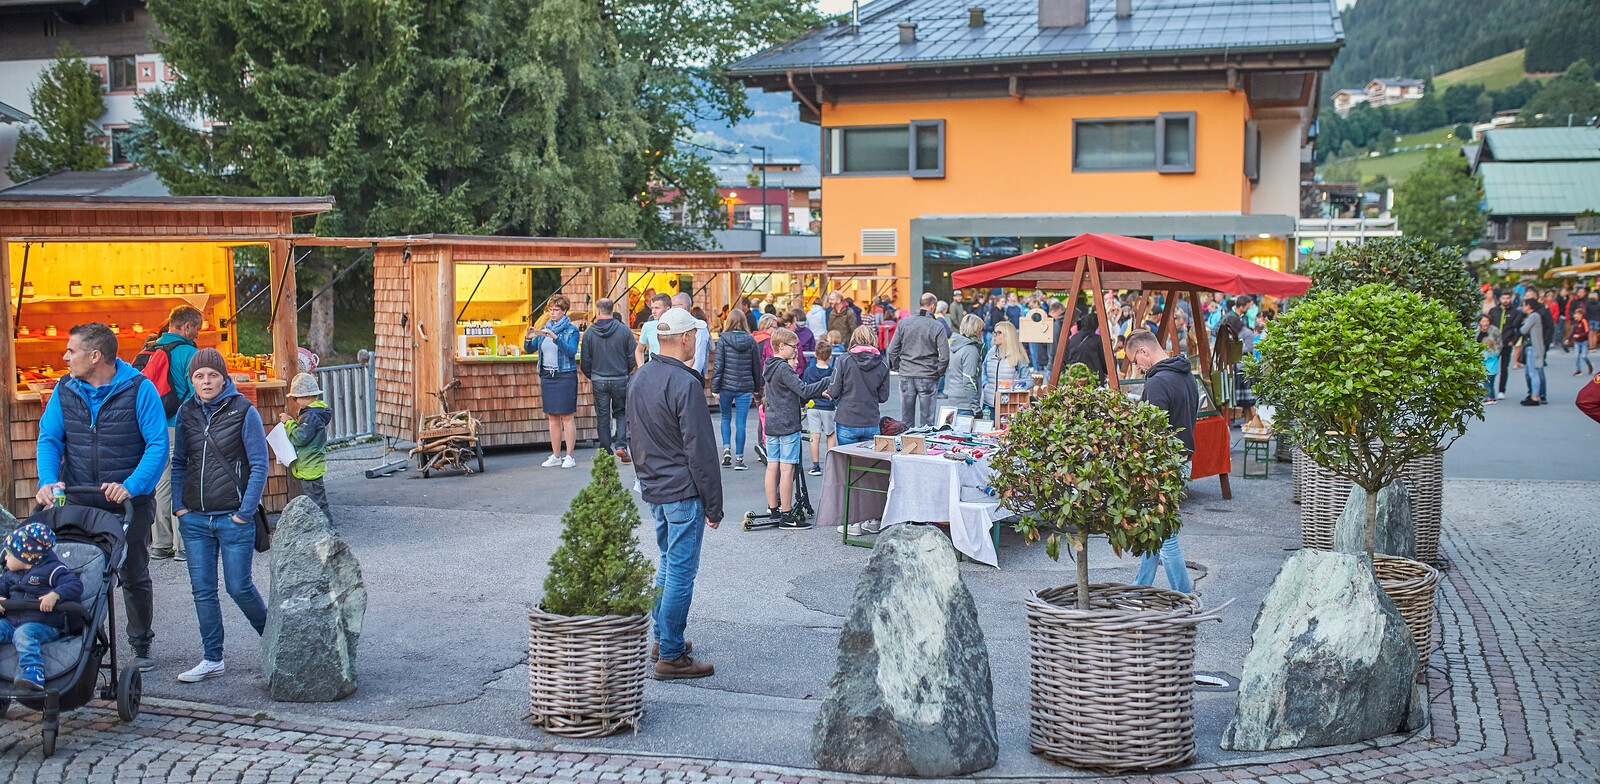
(130, 690)
(748, 516)
(49, 743)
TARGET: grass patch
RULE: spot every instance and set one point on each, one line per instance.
(1396, 166)
(353, 330)
(1495, 73)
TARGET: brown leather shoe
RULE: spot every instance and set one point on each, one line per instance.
(682, 668)
(655, 649)
(622, 454)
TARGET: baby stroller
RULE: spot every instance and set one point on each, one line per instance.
(91, 542)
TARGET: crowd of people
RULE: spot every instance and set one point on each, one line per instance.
(1520, 326)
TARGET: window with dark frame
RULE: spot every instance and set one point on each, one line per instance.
(1164, 143)
(915, 149)
(124, 72)
(119, 145)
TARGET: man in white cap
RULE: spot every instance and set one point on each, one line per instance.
(702, 335)
(675, 458)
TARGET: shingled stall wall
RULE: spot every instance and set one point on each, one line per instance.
(179, 245)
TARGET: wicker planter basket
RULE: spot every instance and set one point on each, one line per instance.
(586, 672)
(1113, 687)
(1411, 585)
(1323, 495)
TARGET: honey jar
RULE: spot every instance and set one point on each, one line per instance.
(199, 288)
(50, 331)
(75, 288)
(165, 289)
(138, 329)
(27, 289)
(119, 290)
(149, 289)
(96, 291)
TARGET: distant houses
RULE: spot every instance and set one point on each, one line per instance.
(1536, 181)
(1379, 92)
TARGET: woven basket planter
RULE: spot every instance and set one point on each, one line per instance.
(1323, 495)
(586, 672)
(1113, 687)
(1411, 585)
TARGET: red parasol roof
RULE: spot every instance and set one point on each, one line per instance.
(1129, 261)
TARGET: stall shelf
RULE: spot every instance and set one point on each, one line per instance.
(55, 252)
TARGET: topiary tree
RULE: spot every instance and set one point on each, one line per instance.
(1407, 263)
(67, 104)
(1082, 460)
(1368, 380)
(598, 569)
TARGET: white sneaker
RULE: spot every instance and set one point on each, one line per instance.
(205, 669)
(568, 462)
(863, 528)
(1502, 395)
(553, 461)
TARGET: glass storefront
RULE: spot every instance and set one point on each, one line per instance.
(943, 256)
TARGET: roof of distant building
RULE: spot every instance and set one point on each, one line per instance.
(105, 182)
(1396, 82)
(1566, 188)
(1543, 144)
(1011, 32)
(1350, 91)
(736, 174)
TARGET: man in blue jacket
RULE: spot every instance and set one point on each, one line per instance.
(105, 427)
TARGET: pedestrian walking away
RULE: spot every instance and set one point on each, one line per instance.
(306, 425)
(607, 358)
(106, 427)
(1533, 351)
(675, 459)
(219, 470)
(920, 353)
(736, 378)
(1170, 387)
(175, 340)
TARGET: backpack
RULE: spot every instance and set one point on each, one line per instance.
(155, 363)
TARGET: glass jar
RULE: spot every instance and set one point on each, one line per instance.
(165, 289)
(199, 288)
(119, 290)
(149, 289)
(133, 290)
(50, 331)
(27, 288)
(96, 291)
(75, 288)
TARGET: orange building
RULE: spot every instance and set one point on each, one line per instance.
(955, 135)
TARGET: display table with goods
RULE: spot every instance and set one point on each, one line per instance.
(127, 263)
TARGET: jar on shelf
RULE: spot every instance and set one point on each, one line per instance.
(75, 288)
(115, 330)
(22, 331)
(165, 289)
(27, 288)
(96, 291)
(149, 289)
(119, 290)
(50, 331)
(133, 290)
(138, 329)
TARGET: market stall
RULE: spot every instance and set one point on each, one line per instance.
(1104, 262)
(126, 262)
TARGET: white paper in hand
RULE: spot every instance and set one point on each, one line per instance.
(278, 439)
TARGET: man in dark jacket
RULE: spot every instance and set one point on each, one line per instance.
(675, 457)
(841, 318)
(1168, 386)
(920, 353)
(1085, 348)
(1508, 319)
(105, 426)
(606, 358)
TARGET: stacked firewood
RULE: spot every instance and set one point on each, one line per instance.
(447, 442)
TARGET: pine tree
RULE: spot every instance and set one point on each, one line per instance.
(66, 105)
(597, 569)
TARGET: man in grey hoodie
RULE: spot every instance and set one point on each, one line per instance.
(920, 353)
(606, 358)
(1170, 387)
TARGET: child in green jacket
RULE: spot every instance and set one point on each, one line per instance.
(307, 428)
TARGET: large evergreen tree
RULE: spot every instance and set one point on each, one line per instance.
(66, 104)
(1572, 98)
(1441, 203)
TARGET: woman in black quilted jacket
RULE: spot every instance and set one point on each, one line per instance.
(735, 377)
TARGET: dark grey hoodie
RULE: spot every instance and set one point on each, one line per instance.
(607, 349)
(784, 394)
(1170, 387)
(859, 384)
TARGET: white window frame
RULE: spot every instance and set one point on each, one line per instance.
(1544, 231)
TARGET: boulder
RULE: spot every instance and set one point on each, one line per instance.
(1331, 660)
(315, 609)
(1396, 535)
(911, 695)
(7, 522)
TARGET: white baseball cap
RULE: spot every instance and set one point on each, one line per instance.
(677, 321)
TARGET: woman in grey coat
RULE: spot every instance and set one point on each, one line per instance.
(961, 378)
(1533, 347)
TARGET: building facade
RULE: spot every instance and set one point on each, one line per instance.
(1536, 181)
(1383, 92)
(1347, 99)
(952, 137)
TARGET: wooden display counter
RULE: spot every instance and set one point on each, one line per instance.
(503, 393)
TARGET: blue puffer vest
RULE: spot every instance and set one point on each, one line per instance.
(105, 449)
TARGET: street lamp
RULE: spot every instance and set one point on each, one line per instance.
(763, 197)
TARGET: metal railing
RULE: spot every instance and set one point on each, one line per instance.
(351, 391)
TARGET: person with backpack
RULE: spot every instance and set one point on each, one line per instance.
(165, 360)
(219, 471)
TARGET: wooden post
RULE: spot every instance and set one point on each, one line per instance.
(1203, 342)
(1164, 329)
(1105, 328)
(285, 324)
(1072, 308)
(8, 366)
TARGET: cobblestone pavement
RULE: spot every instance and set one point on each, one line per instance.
(1512, 679)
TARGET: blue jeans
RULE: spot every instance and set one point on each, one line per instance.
(680, 526)
(208, 537)
(852, 435)
(1170, 556)
(29, 639)
(1535, 380)
(1038, 354)
(735, 411)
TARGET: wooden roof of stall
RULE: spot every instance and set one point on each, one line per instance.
(36, 217)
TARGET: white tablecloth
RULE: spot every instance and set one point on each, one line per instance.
(922, 488)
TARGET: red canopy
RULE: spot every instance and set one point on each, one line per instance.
(1127, 261)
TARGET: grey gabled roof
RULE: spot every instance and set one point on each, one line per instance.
(1397, 82)
(104, 182)
(1011, 32)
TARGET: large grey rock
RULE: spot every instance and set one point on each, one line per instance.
(7, 522)
(314, 616)
(1331, 660)
(912, 694)
(1396, 535)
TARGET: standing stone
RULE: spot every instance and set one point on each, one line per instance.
(912, 694)
(1331, 660)
(314, 616)
(1396, 533)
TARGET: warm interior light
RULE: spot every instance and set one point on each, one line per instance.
(1265, 236)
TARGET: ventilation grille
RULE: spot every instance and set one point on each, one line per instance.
(880, 242)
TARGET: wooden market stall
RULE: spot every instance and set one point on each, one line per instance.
(1103, 262)
(127, 261)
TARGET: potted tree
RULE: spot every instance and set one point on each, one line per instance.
(1111, 665)
(1409, 264)
(587, 639)
(1367, 381)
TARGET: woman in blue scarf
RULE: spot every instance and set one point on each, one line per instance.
(556, 343)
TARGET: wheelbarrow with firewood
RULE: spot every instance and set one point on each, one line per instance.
(448, 442)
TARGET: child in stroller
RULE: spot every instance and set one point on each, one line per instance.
(33, 572)
(91, 543)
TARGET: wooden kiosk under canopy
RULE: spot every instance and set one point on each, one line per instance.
(127, 261)
(1106, 262)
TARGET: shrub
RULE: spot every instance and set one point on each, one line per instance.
(1082, 460)
(598, 569)
(1368, 380)
(1407, 263)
